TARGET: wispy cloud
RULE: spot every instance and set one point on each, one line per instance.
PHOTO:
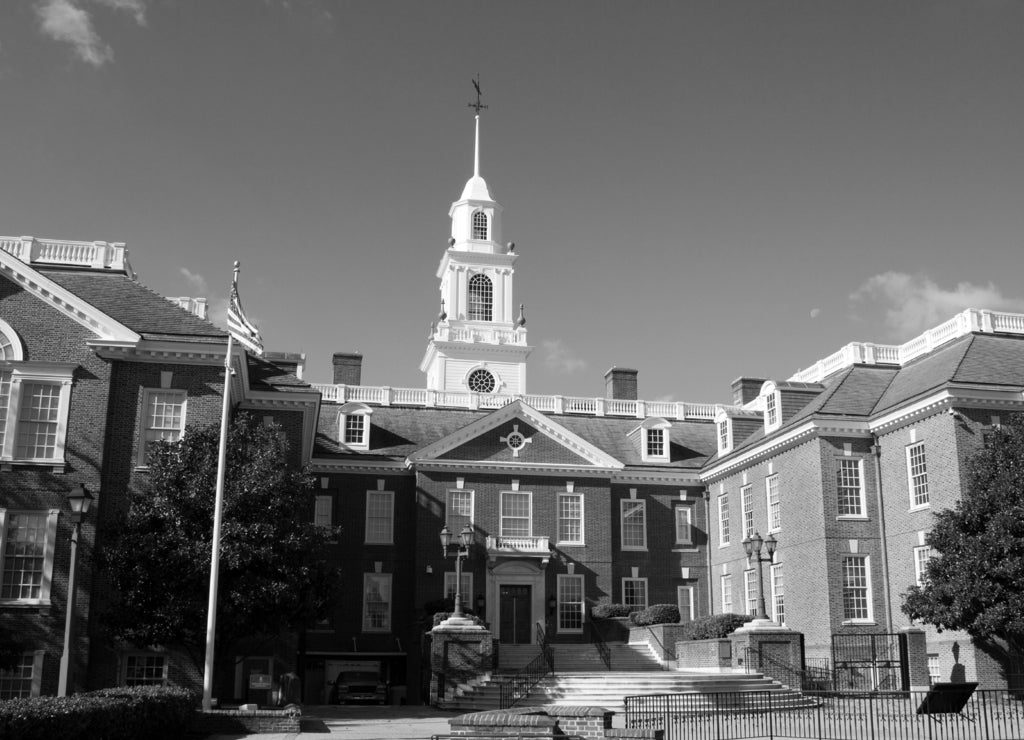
(913, 303)
(560, 359)
(68, 21)
(216, 305)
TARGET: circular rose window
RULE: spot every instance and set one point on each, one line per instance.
(481, 381)
(515, 441)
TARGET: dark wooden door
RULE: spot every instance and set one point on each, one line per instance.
(515, 614)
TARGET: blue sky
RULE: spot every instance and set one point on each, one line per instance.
(700, 190)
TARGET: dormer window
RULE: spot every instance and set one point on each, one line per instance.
(481, 298)
(724, 427)
(480, 225)
(354, 426)
(772, 410)
(654, 438)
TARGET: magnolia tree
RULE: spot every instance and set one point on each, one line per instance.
(274, 572)
(974, 580)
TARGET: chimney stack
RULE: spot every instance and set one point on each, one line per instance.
(620, 384)
(348, 368)
(745, 390)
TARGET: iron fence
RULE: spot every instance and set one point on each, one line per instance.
(987, 715)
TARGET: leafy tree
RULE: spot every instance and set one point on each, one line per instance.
(274, 575)
(975, 578)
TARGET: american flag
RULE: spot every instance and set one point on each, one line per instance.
(240, 327)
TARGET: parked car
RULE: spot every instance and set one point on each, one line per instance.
(359, 686)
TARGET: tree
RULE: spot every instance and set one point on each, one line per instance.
(974, 580)
(274, 575)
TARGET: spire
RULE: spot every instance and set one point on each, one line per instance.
(476, 188)
(476, 149)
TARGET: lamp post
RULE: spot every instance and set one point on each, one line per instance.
(752, 546)
(461, 551)
(79, 501)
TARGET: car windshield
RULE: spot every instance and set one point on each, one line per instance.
(359, 678)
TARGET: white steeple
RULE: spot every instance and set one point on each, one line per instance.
(478, 343)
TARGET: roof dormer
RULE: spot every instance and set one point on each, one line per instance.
(653, 435)
(354, 425)
(733, 424)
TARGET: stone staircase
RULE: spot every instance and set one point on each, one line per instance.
(581, 678)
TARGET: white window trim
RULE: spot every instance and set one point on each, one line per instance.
(654, 424)
(562, 577)
(622, 524)
(692, 590)
(910, 478)
(771, 395)
(501, 515)
(863, 497)
(17, 349)
(725, 580)
(687, 538)
(142, 654)
(772, 570)
(647, 594)
(36, 680)
(467, 591)
(919, 567)
(49, 373)
(750, 587)
(724, 535)
(323, 511)
(747, 506)
(724, 446)
(870, 619)
(147, 394)
(448, 507)
(390, 495)
(472, 226)
(391, 601)
(773, 526)
(582, 541)
(355, 409)
(48, 549)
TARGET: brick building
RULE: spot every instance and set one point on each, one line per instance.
(571, 501)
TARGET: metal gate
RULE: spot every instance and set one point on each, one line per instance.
(874, 662)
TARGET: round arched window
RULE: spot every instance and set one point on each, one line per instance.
(481, 381)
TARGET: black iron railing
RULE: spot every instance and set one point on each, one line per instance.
(901, 715)
(602, 647)
(806, 679)
(517, 687)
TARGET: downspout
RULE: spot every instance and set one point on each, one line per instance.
(707, 550)
(876, 451)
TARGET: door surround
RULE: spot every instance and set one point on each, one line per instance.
(515, 573)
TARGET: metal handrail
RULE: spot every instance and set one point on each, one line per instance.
(518, 687)
(796, 678)
(603, 650)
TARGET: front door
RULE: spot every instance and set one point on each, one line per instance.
(515, 608)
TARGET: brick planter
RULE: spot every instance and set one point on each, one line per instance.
(234, 721)
(588, 723)
(713, 653)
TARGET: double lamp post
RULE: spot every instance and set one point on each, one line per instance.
(461, 551)
(752, 546)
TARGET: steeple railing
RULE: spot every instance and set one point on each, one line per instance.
(388, 396)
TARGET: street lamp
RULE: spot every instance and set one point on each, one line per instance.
(79, 501)
(752, 546)
(461, 551)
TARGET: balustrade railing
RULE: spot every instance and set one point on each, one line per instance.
(73, 254)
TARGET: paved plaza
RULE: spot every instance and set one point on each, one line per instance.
(362, 723)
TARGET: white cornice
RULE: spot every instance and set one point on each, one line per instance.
(63, 300)
(459, 257)
(390, 467)
(948, 397)
(147, 350)
(499, 466)
(668, 476)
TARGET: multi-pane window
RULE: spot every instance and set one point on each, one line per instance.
(771, 411)
(481, 381)
(723, 520)
(481, 298)
(145, 670)
(771, 485)
(570, 518)
(934, 671)
(726, 588)
(27, 556)
(856, 589)
(7, 349)
(458, 511)
(634, 524)
(479, 225)
(570, 603)
(849, 488)
(467, 586)
(750, 591)
(922, 555)
(684, 529)
(16, 683)
(723, 436)
(355, 429)
(5, 402)
(778, 594)
(322, 513)
(685, 602)
(634, 592)
(747, 502)
(376, 602)
(163, 419)
(917, 474)
(516, 518)
(380, 517)
(38, 421)
(655, 442)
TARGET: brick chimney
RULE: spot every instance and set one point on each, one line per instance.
(745, 390)
(291, 362)
(620, 384)
(348, 368)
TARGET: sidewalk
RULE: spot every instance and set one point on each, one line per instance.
(362, 723)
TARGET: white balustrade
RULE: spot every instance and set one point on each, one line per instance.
(60, 252)
(519, 545)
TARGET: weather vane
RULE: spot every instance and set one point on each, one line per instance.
(478, 105)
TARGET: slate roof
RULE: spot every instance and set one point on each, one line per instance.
(141, 309)
(265, 375)
(396, 432)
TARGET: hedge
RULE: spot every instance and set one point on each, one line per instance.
(127, 713)
(655, 614)
(610, 611)
(714, 626)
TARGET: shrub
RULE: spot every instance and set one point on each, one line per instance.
(161, 713)
(610, 611)
(714, 626)
(655, 614)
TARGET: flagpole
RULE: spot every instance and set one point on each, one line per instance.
(211, 609)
